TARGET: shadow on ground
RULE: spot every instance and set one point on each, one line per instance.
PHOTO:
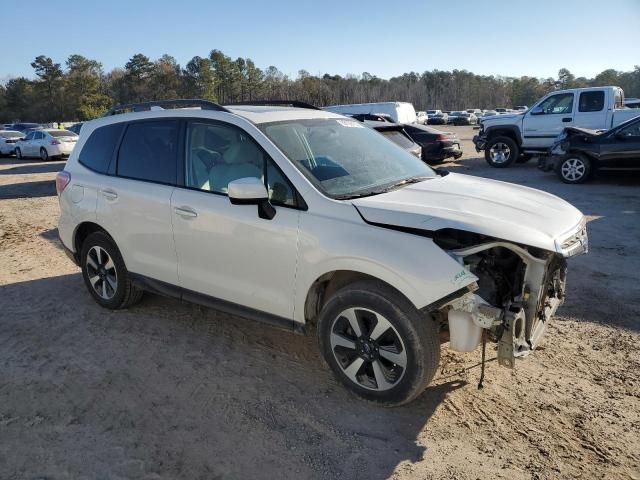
(40, 188)
(33, 168)
(183, 391)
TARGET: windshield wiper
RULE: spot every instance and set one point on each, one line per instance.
(387, 188)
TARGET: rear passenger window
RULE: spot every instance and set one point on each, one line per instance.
(98, 149)
(591, 101)
(148, 152)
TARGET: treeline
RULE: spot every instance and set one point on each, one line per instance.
(81, 90)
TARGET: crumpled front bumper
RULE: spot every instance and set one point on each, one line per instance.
(480, 142)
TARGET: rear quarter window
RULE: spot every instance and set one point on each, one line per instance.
(149, 152)
(98, 150)
(591, 101)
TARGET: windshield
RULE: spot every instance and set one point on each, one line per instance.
(343, 158)
(456, 113)
(61, 133)
(432, 112)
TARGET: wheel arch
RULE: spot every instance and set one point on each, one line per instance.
(82, 231)
(330, 282)
(512, 132)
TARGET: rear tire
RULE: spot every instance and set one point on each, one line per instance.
(500, 152)
(105, 274)
(44, 155)
(377, 343)
(574, 168)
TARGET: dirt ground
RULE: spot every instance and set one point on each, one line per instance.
(168, 390)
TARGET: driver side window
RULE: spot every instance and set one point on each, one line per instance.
(631, 130)
(218, 153)
(556, 104)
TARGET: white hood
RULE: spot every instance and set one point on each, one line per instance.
(490, 207)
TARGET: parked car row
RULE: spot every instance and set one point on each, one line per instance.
(429, 144)
(44, 143)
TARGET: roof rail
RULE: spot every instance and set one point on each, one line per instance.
(286, 103)
(140, 107)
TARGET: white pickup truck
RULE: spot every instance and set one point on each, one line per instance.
(518, 136)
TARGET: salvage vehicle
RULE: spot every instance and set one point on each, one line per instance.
(579, 153)
(436, 145)
(312, 222)
(505, 138)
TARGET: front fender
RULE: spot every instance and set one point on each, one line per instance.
(412, 264)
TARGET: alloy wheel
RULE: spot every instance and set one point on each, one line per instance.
(368, 349)
(573, 169)
(101, 272)
(500, 152)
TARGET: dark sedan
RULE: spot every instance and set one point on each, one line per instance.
(436, 145)
(579, 153)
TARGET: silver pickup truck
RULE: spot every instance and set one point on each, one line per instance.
(510, 138)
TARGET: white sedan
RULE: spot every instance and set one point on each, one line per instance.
(8, 140)
(46, 144)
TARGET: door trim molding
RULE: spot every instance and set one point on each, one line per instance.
(168, 290)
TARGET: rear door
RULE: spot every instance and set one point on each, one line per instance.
(545, 121)
(592, 112)
(134, 202)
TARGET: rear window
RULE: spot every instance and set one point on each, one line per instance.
(98, 149)
(398, 138)
(148, 152)
(10, 134)
(591, 101)
(61, 133)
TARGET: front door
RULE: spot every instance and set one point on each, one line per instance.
(545, 121)
(227, 251)
(621, 148)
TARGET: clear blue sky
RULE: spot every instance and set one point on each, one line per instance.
(385, 38)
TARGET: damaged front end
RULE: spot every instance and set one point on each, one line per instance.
(519, 289)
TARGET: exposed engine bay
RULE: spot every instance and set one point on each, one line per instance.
(518, 290)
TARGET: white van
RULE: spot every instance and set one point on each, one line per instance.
(401, 112)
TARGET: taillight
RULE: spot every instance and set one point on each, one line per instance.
(442, 138)
(62, 180)
(55, 142)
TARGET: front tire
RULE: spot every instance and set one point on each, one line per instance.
(574, 168)
(105, 274)
(377, 343)
(18, 153)
(500, 152)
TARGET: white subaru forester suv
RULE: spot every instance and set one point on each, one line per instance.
(300, 217)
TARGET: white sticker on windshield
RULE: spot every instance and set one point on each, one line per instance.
(349, 123)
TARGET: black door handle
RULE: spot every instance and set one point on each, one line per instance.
(567, 119)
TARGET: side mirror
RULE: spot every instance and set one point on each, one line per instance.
(251, 191)
(537, 111)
